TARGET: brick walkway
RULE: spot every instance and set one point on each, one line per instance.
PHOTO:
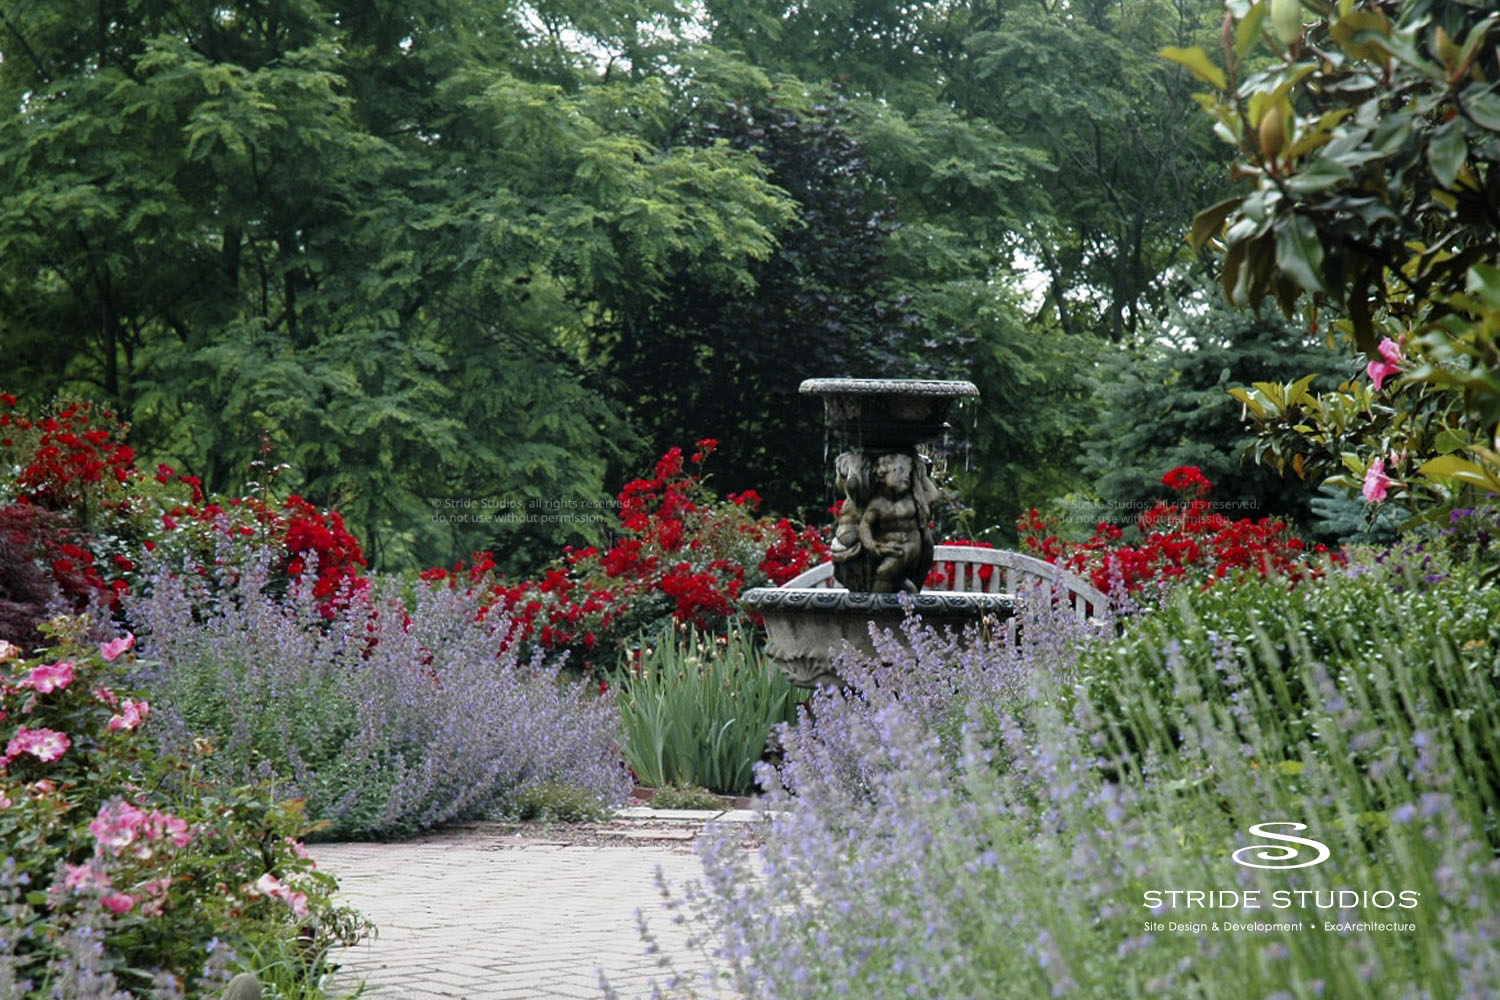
(482, 913)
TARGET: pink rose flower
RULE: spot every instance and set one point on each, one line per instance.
(271, 887)
(80, 877)
(117, 826)
(8, 651)
(113, 648)
(118, 903)
(49, 677)
(44, 744)
(170, 827)
(131, 715)
(1377, 483)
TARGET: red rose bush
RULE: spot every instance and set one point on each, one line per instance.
(683, 553)
(1183, 541)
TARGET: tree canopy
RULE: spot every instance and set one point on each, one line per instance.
(375, 236)
(503, 252)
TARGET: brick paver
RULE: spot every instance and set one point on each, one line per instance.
(476, 914)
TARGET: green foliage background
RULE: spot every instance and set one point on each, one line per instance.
(450, 249)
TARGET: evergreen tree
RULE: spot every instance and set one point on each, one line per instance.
(1166, 403)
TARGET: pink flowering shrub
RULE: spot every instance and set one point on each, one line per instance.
(122, 869)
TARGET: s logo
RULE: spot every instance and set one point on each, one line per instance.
(1285, 854)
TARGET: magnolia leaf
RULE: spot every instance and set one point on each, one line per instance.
(1299, 252)
(1451, 439)
(1260, 268)
(1475, 39)
(1297, 391)
(1272, 392)
(1484, 110)
(1246, 32)
(1403, 47)
(1356, 22)
(1251, 401)
(1465, 471)
(1447, 152)
(1260, 102)
(1207, 223)
(1392, 132)
(1320, 175)
(1483, 282)
(1198, 63)
(1234, 260)
(1286, 293)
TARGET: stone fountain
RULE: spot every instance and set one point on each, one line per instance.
(882, 546)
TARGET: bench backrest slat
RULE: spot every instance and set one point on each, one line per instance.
(962, 569)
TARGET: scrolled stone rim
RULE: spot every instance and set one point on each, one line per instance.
(887, 386)
(825, 599)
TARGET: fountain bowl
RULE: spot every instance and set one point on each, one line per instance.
(886, 412)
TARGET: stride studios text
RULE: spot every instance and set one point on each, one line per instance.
(1279, 899)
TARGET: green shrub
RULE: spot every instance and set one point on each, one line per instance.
(1437, 645)
(697, 708)
(685, 797)
(558, 803)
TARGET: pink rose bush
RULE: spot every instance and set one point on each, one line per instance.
(170, 878)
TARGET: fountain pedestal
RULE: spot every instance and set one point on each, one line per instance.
(807, 626)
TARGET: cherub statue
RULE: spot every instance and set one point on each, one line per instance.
(852, 477)
(893, 528)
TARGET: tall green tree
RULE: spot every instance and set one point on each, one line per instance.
(725, 362)
(1124, 153)
(1054, 139)
(375, 234)
(1042, 161)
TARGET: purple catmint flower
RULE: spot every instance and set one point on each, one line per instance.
(398, 713)
(981, 819)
